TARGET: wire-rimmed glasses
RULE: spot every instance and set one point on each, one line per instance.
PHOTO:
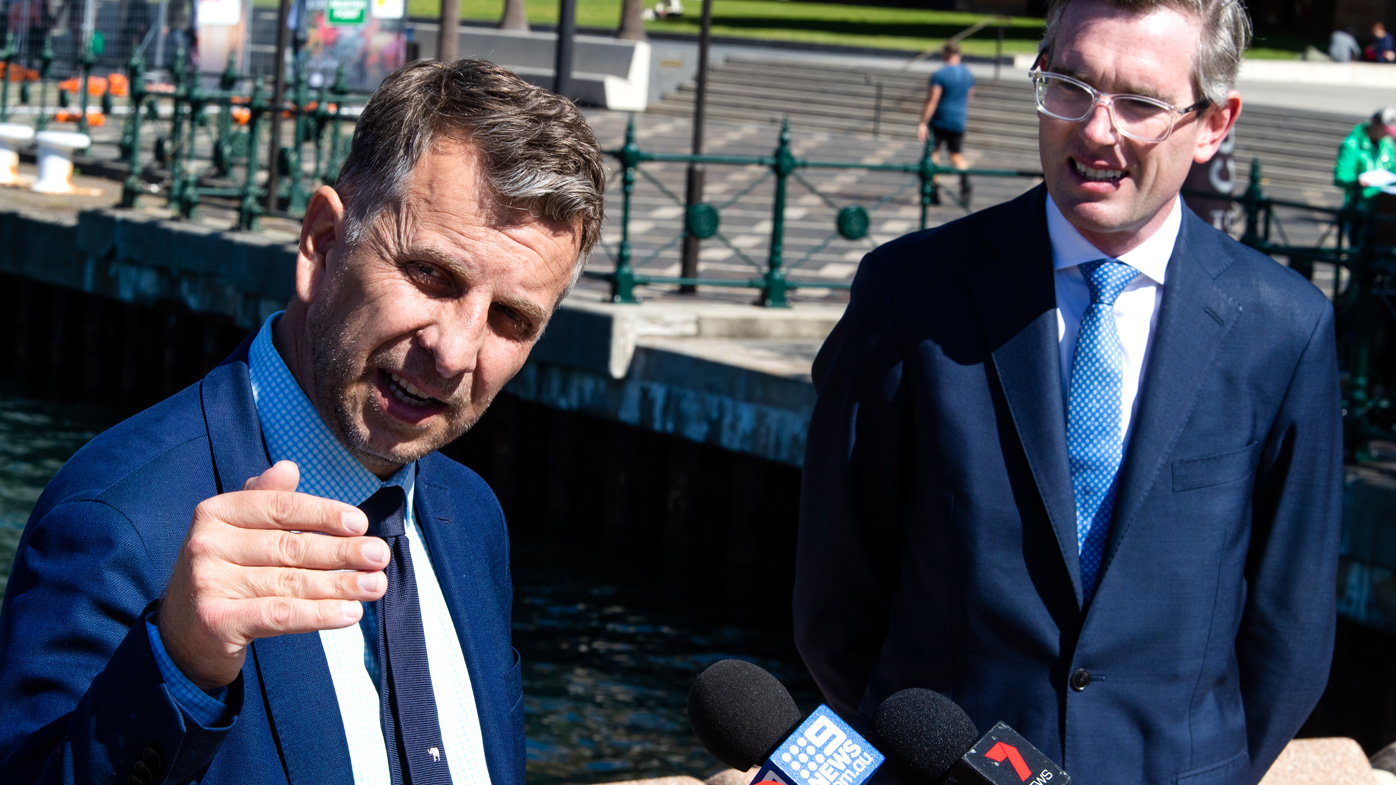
(1136, 116)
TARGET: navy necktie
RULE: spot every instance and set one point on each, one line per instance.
(407, 705)
(1093, 439)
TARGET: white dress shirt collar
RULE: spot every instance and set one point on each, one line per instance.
(1070, 248)
(294, 431)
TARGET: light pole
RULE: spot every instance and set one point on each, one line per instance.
(566, 31)
(693, 193)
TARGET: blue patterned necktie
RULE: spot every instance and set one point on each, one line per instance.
(407, 704)
(1093, 438)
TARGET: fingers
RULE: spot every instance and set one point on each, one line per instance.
(256, 563)
(294, 584)
(281, 509)
(239, 622)
(275, 548)
(282, 476)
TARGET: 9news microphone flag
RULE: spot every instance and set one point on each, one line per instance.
(822, 751)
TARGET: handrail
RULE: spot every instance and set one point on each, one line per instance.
(1000, 20)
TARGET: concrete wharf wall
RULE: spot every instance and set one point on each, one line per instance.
(672, 431)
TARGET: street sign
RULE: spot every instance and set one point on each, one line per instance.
(346, 12)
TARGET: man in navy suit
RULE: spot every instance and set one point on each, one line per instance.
(1076, 459)
(194, 595)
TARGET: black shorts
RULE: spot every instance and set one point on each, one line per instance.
(954, 140)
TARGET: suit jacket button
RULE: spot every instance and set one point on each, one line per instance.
(1080, 680)
(151, 758)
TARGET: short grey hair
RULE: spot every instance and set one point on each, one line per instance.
(1226, 34)
(537, 150)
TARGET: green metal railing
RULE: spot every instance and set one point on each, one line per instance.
(205, 146)
(702, 220)
(197, 144)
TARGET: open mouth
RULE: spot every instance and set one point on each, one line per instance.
(405, 391)
(1098, 175)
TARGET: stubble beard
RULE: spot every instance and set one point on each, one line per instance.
(335, 371)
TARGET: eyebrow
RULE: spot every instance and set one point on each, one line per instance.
(526, 307)
(1080, 77)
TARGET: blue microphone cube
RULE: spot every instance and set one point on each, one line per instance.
(822, 751)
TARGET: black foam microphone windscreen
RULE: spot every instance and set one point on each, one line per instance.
(740, 712)
(923, 734)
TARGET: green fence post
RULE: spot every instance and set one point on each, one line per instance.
(189, 201)
(927, 173)
(223, 137)
(1252, 201)
(317, 131)
(8, 56)
(297, 200)
(340, 89)
(773, 292)
(623, 280)
(131, 135)
(89, 58)
(174, 141)
(45, 65)
(250, 205)
(1359, 286)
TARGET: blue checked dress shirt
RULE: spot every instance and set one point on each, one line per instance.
(1093, 438)
(294, 431)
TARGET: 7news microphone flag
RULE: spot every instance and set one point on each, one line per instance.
(928, 738)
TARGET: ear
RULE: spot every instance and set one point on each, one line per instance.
(1215, 124)
(322, 233)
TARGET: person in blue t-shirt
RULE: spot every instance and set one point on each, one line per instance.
(947, 106)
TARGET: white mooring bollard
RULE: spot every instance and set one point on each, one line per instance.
(56, 161)
(12, 137)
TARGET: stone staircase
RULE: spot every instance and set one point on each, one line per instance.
(1295, 148)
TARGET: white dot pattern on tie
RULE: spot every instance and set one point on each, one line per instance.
(1093, 438)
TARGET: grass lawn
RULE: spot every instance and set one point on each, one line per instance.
(782, 20)
(906, 29)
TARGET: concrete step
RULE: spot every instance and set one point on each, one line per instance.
(1295, 148)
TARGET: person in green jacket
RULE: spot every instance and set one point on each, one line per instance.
(1367, 157)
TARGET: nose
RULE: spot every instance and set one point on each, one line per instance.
(455, 337)
(1099, 125)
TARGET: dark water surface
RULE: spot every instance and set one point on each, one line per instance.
(610, 644)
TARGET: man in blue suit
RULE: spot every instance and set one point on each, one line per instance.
(1076, 459)
(197, 595)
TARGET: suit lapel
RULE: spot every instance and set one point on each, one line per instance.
(295, 678)
(1193, 322)
(1015, 295)
(304, 710)
(447, 531)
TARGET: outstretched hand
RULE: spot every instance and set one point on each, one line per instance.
(255, 564)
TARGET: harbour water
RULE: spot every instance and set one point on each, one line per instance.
(609, 645)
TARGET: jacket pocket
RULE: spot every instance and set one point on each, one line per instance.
(513, 681)
(1228, 772)
(1193, 473)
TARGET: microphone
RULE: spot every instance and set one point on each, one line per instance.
(744, 716)
(928, 738)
